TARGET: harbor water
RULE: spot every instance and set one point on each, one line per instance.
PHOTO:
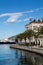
(10, 56)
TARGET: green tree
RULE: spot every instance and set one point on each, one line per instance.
(30, 33)
(41, 30)
(36, 35)
(24, 35)
(19, 36)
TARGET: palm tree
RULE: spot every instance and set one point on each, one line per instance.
(41, 30)
(24, 35)
(39, 20)
(30, 33)
(42, 19)
(31, 19)
(34, 20)
(36, 35)
(19, 37)
(41, 34)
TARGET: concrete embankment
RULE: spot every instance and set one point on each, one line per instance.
(33, 49)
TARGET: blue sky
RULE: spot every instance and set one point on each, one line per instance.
(14, 14)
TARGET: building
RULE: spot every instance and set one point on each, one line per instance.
(35, 26)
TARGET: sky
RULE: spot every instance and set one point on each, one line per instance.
(15, 14)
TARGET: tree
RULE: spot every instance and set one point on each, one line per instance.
(18, 37)
(41, 30)
(34, 20)
(42, 19)
(24, 35)
(30, 33)
(31, 19)
(39, 20)
(36, 35)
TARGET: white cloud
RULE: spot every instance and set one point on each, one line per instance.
(30, 11)
(13, 17)
(34, 10)
(5, 14)
(27, 19)
(38, 9)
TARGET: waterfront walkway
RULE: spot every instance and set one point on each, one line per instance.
(34, 49)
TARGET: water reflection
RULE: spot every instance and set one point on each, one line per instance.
(10, 56)
(30, 59)
(16, 53)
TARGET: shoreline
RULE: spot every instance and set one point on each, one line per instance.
(32, 49)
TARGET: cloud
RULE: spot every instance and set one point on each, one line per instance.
(34, 10)
(6, 14)
(30, 11)
(27, 19)
(13, 17)
(38, 9)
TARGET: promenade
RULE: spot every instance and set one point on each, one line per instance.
(33, 49)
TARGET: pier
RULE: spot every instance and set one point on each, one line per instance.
(33, 49)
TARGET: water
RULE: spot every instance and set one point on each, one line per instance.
(10, 56)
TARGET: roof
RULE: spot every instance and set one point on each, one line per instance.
(35, 23)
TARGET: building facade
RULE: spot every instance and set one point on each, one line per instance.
(35, 26)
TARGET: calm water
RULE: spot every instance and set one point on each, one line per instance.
(10, 56)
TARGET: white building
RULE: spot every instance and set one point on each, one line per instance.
(34, 26)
